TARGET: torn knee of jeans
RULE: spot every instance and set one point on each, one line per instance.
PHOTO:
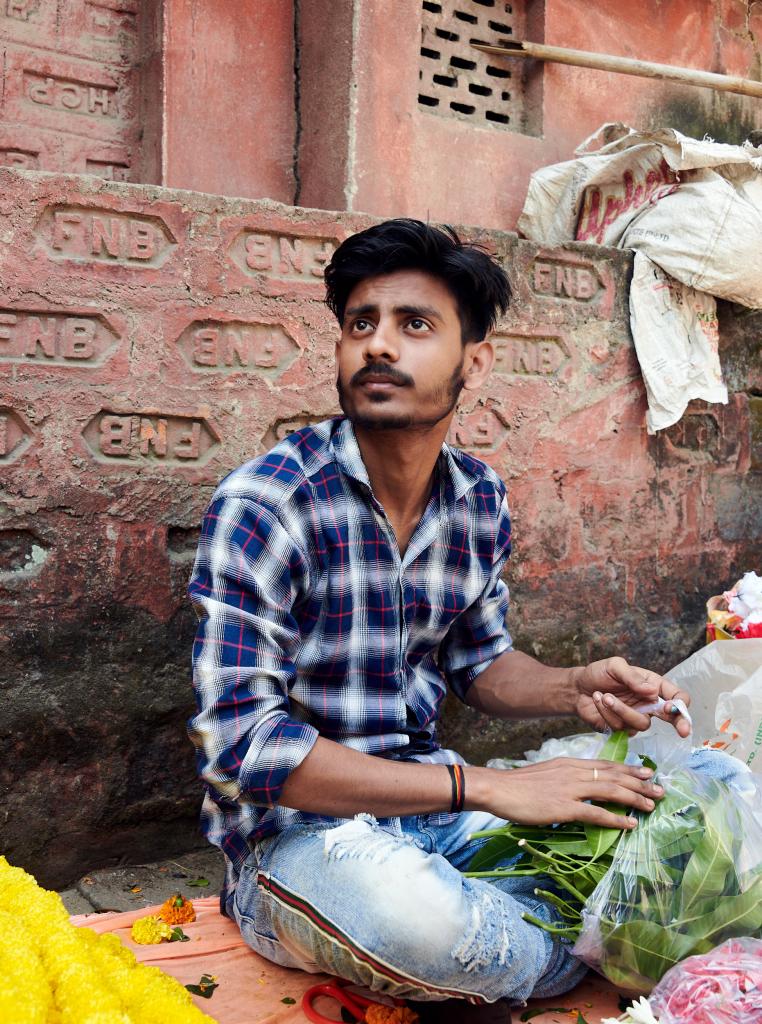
(363, 838)
(489, 936)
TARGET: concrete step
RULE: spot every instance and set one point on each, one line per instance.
(143, 885)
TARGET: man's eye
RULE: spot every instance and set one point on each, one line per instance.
(361, 325)
(418, 325)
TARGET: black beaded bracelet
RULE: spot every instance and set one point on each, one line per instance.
(458, 780)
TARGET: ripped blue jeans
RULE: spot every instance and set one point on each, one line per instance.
(386, 906)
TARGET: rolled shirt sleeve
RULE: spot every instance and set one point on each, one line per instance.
(480, 634)
(248, 574)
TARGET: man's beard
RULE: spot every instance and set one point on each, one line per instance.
(445, 396)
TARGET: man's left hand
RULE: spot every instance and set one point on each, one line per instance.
(609, 693)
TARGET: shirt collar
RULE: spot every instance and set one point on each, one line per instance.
(346, 451)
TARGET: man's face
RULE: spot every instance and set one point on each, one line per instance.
(400, 358)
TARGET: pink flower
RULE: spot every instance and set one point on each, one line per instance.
(723, 986)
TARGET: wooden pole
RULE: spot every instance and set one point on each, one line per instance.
(626, 66)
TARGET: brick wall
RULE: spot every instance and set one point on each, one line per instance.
(370, 105)
(70, 95)
(152, 340)
(190, 93)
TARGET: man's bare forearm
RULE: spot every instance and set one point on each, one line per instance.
(518, 686)
(336, 780)
(341, 782)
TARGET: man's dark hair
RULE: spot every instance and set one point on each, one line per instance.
(477, 282)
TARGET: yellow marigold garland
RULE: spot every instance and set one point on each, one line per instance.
(56, 973)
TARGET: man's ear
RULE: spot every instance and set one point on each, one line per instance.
(478, 363)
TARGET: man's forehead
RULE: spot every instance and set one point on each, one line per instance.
(404, 291)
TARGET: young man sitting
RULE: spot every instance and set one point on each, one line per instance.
(344, 581)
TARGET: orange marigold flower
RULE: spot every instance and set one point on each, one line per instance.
(177, 910)
(390, 1015)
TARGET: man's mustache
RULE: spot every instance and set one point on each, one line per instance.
(381, 370)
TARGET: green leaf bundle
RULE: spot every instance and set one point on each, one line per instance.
(685, 879)
(570, 860)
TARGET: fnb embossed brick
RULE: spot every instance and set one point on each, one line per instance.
(71, 79)
(540, 355)
(105, 235)
(15, 434)
(149, 436)
(481, 432)
(281, 257)
(51, 337)
(235, 346)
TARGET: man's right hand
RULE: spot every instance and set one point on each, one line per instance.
(555, 791)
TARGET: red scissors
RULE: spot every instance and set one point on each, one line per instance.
(351, 1001)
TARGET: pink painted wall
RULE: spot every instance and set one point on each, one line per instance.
(229, 116)
(397, 157)
(318, 104)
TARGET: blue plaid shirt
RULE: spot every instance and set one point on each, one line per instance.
(311, 624)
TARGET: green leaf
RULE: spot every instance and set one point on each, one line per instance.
(615, 748)
(601, 839)
(205, 987)
(199, 883)
(580, 1018)
(647, 762)
(178, 935)
(637, 953)
(711, 863)
(570, 844)
(732, 916)
(497, 849)
(288, 1001)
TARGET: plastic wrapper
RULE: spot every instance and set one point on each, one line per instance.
(725, 684)
(723, 986)
(686, 879)
(586, 744)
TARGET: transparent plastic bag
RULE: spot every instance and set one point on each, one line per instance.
(687, 878)
(723, 986)
(724, 680)
(585, 744)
